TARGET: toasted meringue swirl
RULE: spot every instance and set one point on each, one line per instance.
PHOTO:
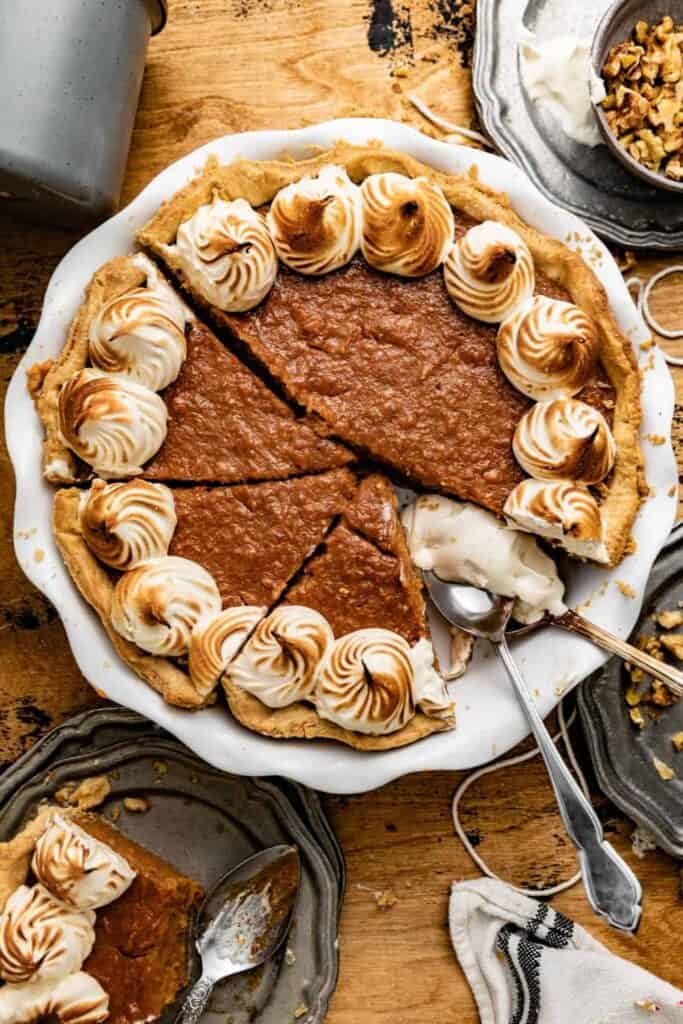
(41, 938)
(278, 664)
(489, 272)
(365, 683)
(548, 348)
(76, 999)
(429, 689)
(111, 422)
(407, 224)
(141, 333)
(315, 223)
(214, 642)
(564, 439)
(79, 869)
(124, 524)
(158, 604)
(563, 512)
(227, 254)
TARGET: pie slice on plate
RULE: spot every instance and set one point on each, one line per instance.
(96, 927)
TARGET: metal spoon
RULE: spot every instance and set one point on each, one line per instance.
(575, 623)
(612, 889)
(245, 918)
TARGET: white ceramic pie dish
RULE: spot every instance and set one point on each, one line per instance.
(489, 722)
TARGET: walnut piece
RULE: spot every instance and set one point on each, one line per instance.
(643, 107)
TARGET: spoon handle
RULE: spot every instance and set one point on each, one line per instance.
(195, 1002)
(667, 674)
(612, 889)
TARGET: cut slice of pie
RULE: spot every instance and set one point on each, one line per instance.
(361, 577)
(251, 538)
(224, 425)
(142, 949)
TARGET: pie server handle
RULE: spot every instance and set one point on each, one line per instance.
(612, 889)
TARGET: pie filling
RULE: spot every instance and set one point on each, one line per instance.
(99, 931)
(429, 341)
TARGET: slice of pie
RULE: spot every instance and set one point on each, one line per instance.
(361, 578)
(105, 925)
(401, 361)
(250, 539)
(221, 424)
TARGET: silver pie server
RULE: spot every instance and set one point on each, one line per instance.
(612, 889)
(244, 920)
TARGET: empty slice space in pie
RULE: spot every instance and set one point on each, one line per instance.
(360, 578)
(225, 425)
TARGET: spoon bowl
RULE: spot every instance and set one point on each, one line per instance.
(244, 920)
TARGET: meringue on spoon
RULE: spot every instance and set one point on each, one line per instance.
(463, 543)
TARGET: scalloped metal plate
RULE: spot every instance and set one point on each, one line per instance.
(203, 821)
(587, 182)
(623, 755)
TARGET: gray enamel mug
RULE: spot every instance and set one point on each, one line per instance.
(70, 78)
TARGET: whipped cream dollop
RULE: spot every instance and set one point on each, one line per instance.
(41, 938)
(564, 439)
(407, 224)
(563, 512)
(365, 682)
(76, 999)
(125, 524)
(558, 74)
(315, 223)
(111, 422)
(429, 689)
(141, 333)
(80, 870)
(467, 544)
(226, 253)
(278, 664)
(548, 348)
(489, 272)
(214, 642)
(158, 604)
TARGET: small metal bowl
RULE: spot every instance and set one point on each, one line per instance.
(614, 27)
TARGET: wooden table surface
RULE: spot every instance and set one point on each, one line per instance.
(223, 66)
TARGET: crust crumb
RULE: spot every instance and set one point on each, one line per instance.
(655, 439)
(663, 770)
(677, 740)
(626, 589)
(136, 804)
(35, 375)
(88, 794)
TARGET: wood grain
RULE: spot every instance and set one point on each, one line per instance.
(230, 65)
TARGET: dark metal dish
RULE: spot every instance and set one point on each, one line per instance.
(623, 755)
(589, 182)
(204, 822)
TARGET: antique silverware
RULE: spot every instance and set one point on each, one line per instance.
(244, 921)
(612, 889)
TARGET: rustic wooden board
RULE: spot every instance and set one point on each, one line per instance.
(223, 66)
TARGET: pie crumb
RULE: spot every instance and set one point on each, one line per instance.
(670, 618)
(673, 642)
(626, 589)
(671, 491)
(645, 346)
(290, 956)
(136, 804)
(649, 1005)
(300, 1011)
(663, 770)
(677, 740)
(386, 900)
(88, 794)
(655, 439)
(636, 716)
(160, 767)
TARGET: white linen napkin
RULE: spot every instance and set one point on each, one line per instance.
(528, 964)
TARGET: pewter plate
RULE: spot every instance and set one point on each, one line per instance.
(587, 181)
(204, 822)
(622, 754)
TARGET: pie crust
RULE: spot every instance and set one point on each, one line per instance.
(258, 182)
